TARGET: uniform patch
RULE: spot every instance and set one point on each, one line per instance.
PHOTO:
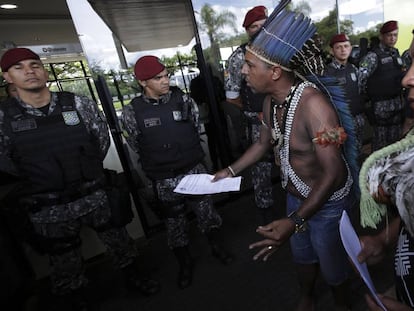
(70, 117)
(386, 60)
(177, 115)
(353, 76)
(152, 122)
(23, 125)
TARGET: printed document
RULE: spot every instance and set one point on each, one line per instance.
(352, 246)
(202, 184)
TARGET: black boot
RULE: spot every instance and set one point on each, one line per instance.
(75, 300)
(185, 274)
(135, 280)
(217, 250)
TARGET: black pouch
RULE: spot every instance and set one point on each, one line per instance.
(119, 198)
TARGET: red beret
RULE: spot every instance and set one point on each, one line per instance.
(147, 67)
(15, 55)
(389, 26)
(256, 14)
(338, 38)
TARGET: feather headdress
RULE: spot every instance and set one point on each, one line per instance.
(287, 40)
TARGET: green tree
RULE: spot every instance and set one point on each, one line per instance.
(302, 7)
(327, 27)
(212, 22)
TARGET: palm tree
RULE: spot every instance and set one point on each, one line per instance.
(212, 22)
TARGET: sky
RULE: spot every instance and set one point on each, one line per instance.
(97, 41)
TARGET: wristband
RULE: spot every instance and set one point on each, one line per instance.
(299, 222)
(231, 171)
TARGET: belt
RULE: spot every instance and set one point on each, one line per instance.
(36, 202)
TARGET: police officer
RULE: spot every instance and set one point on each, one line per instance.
(380, 74)
(57, 143)
(162, 127)
(347, 75)
(240, 95)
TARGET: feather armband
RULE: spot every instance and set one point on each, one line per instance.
(335, 136)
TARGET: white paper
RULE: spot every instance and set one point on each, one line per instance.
(202, 184)
(352, 246)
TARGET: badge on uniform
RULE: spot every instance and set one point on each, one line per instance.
(353, 76)
(177, 115)
(23, 125)
(150, 122)
(70, 117)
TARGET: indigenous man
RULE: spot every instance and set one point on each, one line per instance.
(306, 131)
(387, 177)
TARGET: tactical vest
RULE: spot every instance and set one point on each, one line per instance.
(348, 79)
(385, 82)
(168, 144)
(53, 153)
(252, 102)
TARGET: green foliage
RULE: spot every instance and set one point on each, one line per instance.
(327, 28)
(235, 40)
(212, 23)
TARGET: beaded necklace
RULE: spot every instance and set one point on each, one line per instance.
(278, 131)
(287, 171)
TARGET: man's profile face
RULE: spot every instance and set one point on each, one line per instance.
(342, 50)
(408, 80)
(27, 74)
(157, 85)
(256, 72)
(390, 38)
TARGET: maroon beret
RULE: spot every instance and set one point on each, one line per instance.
(389, 26)
(256, 14)
(15, 55)
(148, 67)
(338, 38)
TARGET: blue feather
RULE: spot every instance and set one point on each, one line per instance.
(330, 87)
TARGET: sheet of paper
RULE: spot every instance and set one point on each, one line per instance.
(201, 184)
(352, 246)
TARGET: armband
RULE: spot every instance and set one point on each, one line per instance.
(335, 136)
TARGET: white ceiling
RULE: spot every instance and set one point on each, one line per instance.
(139, 24)
(147, 25)
(37, 22)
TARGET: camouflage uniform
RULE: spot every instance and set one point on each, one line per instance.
(383, 109)
(406, 58)
(58, 226)
(261, 171)
(173, 203)
(348, 78)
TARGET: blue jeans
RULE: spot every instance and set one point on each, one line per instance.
(321, 242)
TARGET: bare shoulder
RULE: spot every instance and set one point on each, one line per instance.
(316, 109)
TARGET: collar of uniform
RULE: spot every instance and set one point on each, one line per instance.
(337, 65)
(37, 112)
(163, 99)
(387, 48)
